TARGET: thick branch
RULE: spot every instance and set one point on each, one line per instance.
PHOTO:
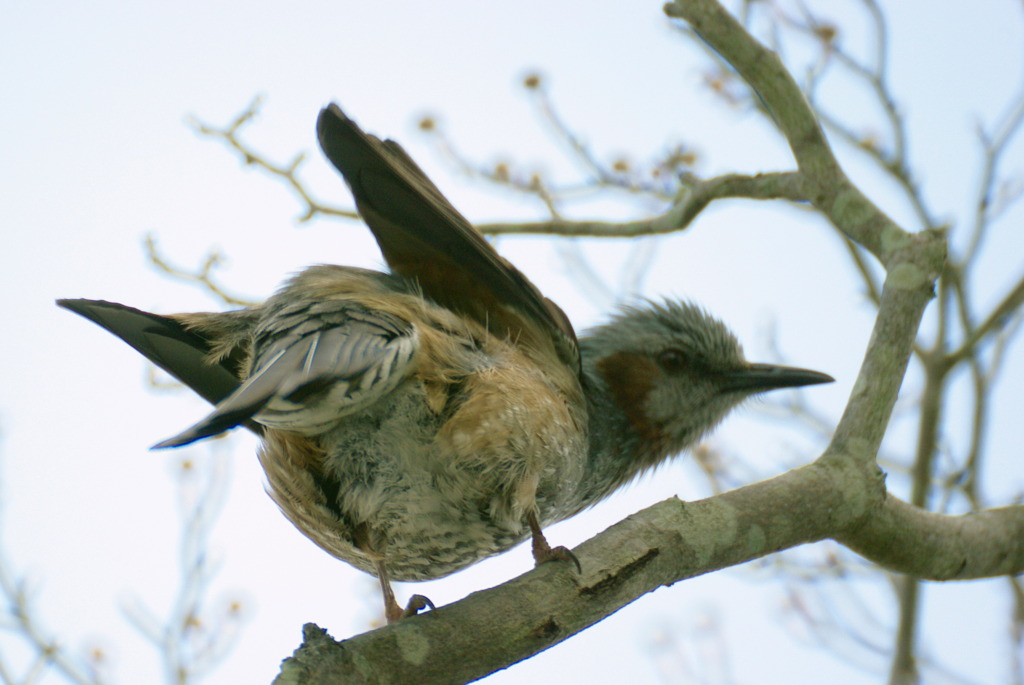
(498, 627)
(908, 289)
(661, 545)
(901, 536)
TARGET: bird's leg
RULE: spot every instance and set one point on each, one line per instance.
(542, 551)
(392, 610)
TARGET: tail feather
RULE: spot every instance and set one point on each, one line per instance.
(166, 342)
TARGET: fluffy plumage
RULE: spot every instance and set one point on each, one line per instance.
(416, 422)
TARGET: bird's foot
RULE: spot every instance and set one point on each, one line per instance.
(393, 612)
(559, 553)
(543, 552)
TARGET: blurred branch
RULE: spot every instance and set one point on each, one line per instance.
(990, 202)
(655, 180)
(689, 194)
(19, 620)
(193, 640)
(288, 173)
(695, 652)
(48, 652)
(201, 276)
(997, 319)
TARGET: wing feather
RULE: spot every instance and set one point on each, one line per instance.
(424, 238)
(307, 376)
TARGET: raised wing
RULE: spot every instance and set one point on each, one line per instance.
(316, 362)
(423, 237)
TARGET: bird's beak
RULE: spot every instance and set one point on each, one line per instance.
(754, 378)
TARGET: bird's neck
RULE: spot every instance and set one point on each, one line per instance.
(617, 453)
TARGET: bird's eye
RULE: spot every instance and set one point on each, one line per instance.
(672, 360)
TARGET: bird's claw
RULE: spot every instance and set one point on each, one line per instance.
(559, 553)
(416, 604)
(393, 612)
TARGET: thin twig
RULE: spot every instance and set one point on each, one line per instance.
(202, 276)
(286, 172)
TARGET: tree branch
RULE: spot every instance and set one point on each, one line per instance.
(661, 545)
(288, 173)
(698, 195)
(932, 546)
(824, 183)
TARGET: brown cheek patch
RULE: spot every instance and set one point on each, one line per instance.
(631, 377)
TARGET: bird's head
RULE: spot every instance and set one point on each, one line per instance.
(674, 372)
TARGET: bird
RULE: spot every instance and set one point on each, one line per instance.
(415, 421)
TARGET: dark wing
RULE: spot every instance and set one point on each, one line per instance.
(424, 238)
(316, 362)
(165, 342)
